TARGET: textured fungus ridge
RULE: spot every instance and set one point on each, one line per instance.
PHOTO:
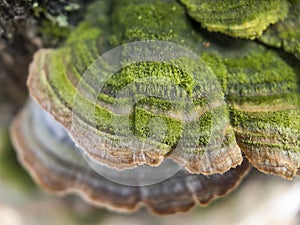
(246, 18)
(245, 99)
(286, 34)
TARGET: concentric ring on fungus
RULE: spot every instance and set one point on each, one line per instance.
(252, 109)
(60, 169)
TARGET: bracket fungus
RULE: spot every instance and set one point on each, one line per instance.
(134, 90)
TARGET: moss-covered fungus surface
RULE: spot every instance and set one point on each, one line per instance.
(239, 98)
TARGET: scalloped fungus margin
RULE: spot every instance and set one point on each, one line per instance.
(60, 169)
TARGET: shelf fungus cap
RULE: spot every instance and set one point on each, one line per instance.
(46, 150)
(139, 104)
(244, 19)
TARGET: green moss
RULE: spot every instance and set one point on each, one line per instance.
(182, 81)
(286, 34)
(149, 20)
(278, 129)
(246, 19)
(57, 19)
(264, 121)
(53, 34)
(259, 77)
(107, 121)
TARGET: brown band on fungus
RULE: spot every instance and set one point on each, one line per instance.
(270, 160)
(176, 194)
